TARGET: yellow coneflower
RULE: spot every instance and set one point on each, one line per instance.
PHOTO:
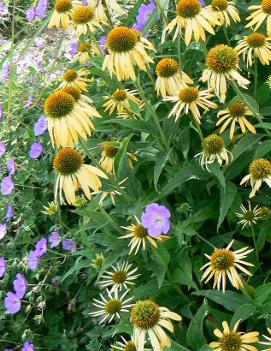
(232, 340)
(235, 113)
(85, 51)
(193, 19)
(149, 318)
(98, 261)
(261, 13)
(84, 19)
(190, 99)
(120, 101)
(170, 78)
(223, 264)
(109, 152)
(259, 173)
(77, 79)
(111, 193)
(126, 345)
(213, 149)
(69, 116)
(52, 209)
(62, 13)
(255, 45)
(268, 342)
(222, 62)
(112, 6)
(126, 49)
(73, 174)
(225, 10)
(249, 216)
(140, 237)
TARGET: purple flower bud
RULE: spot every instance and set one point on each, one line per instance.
(11, 166)
(36, 150)
(41, 247)
(41, 126)
(20, 285)
(54, 239)
(7, 185)
(3, 148)
(12, 303)
(33, 261)
(3, 230)
(3, 266)
(31, 13)
(28, 347)
(10, 213)
(69, 245)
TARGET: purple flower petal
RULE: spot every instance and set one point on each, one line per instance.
(11, 166)
(3, 148)
(3, 266)
(41, 247)
(36, 150)
(3, 230)
(33, 260)
(156, 219)
(69, 245)
(54, 239)
(7, 185)
(20, 285)
(41, 126)
(12, 303)
(10, 213)
(28, 347)
(31, 13)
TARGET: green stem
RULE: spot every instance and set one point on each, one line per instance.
(179, 51)
(255, 244)
(255, 78)
(226, 34)
(203, 47)
(107, 14)
(206, 241)
(199, 129)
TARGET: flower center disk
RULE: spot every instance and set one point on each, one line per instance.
(231, 342)
(237, 109)
(110, 151)
(167, 67)
(188, 8)
(219, 5)
(59, 104)
(85, 47)
(62, 6)
(222, 59)
(113, 306)
(140, 231)
(120, 95)
(83, 14)
(189, 95)
(222, 259)
(266, 6)
(74, 91)
(119, 277)
(121, 39)
(145, 314)
(256, 40)
(260, 169)
(67, 161)
(213, 144)
(70, 75)
(130, 346)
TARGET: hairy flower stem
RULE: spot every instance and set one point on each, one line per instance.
(255, 244)
(255, 77)
(199, 129)
(226, 34)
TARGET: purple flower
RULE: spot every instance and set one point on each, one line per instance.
(11, 166)
(33, 260)
(5, 71)
(31, 13)
(3, 266)
(8, 350)
(3, 230)
(74, 49)
(41, 247)
(202, 2)
(41, 8)
(10, 213)
(144, 13)
(41, 126)
(12, 303)
(69, 245)
(156, 219)
(28, 347)
(3, 148)
(7, 185)
(29, 102)
(1, 111)
(54, 239)
(36, 150)
(102, 43)
(20, 285)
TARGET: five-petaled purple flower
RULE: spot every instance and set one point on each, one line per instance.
(41, 247)
(69, 245)
(11, 166)
(41, 126)
(3, 148)
(54, 239)
(28, 347)
(3, 266)
(3, 230)
(20, 285)
(33, 260)
(7, 185)
(156, 219)
(12, 303)
(36, 150)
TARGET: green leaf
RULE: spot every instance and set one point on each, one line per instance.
(262, 293)
(194, 336)
(226, 200)
(246, 143)
(134, 124)
(243, 312)
(218, 173)
(176, 347)
(162, 159)
(263, 149)
(120, 158)
(162, 257)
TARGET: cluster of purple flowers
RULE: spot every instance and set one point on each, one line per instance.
(40, 127)
(37, 11)
(143, 15)
(13, 299)
(26, 347)
(156, 219)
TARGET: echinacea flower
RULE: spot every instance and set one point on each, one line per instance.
(259, 173)
(112, 6)
(189, 99)
(140, 237)
(51, 209)
(193, 20)
(260, 14)
(233, 340)
(268, 340)
(86, 50)
(111, 193)
(62, 13)
(20, 285)
(120, 277)
(249, 216)
(255, 45)
(126, 49)
(235, 114)
(126, 345)
(149, 318)
(223, 264)
(213, 149)
(121, 100)
(225, 10)
(98, 261)
(222, 65)
(84, 19)
(3, 266)
(12, 303)
(73, 173)
(170, 77)
(156, 219)
(77, 79)
(111, 305)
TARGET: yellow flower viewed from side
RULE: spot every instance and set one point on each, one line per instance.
(193, 20)
(62, 13)
(268, 342)
(127, 49)
(189, 99)
(223, 264)
(225, 10)
(140, 237)
(84, 19)
(255, 45)
(77, 79)
(112, 6)
(261, 14)
(232, 340)
(259, 173)
(73, 174)
(170, 78)
(222, 65)
(85, 51)
(120, 101)
(235, 114)
(149, 318)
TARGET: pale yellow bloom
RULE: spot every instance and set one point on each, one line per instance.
(73, 174)
(190, 99)
(127, 49)
(77, 79)
(255, 45)
(225, 10)
(125, 345)
(261, 14)
(112, 7)
(268, 342)
(223, 264)
(62, 13)
(86, 50)
(120, 100)
(249, 216)
(193, 20)
(84, 19)
(234, 340)
(235, 114)
(170, 78)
